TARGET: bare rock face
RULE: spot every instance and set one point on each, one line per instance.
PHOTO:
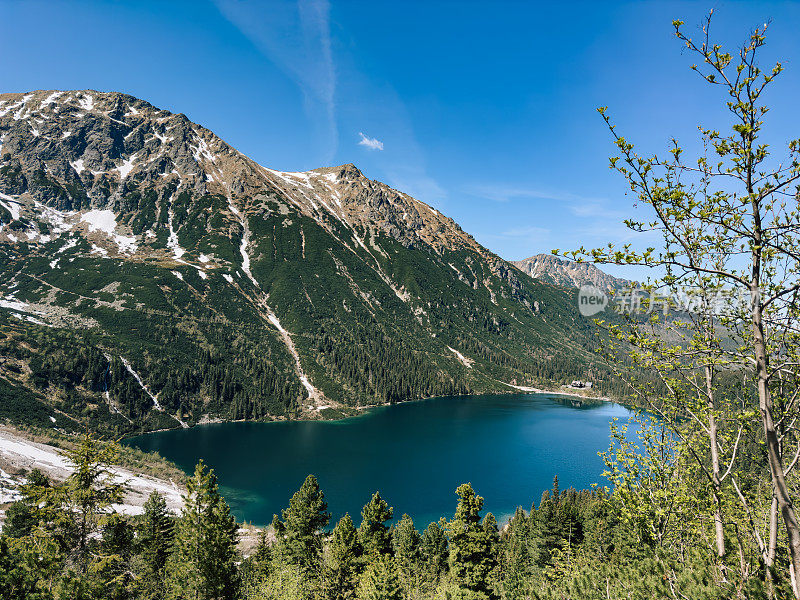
(559, 271)
(85, 149)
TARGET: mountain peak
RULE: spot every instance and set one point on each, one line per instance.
(82, 150)
(208, 283)
(567, 273)
(346, 171)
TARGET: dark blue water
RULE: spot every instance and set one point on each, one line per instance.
(508, 446)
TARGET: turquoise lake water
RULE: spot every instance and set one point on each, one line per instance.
(416, 454)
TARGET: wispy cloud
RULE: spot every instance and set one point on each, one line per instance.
(577, 219)
(296, 37)
(414, 181)
(525, 232)
(589, 207)
(507, 193)
(371, 143)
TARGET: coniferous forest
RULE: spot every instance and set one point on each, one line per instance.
(61, 541)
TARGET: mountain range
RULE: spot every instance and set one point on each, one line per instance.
(567, 273)
(153, 276)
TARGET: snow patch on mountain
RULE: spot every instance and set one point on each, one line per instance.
(86, 103)
(100, 220)
(50, 99)
(105, 221)
(78, 166)
(126, 167)
(172, 241)
(11, 205)
(13, 304)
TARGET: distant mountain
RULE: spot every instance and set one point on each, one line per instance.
(558, 271)
(153, 276)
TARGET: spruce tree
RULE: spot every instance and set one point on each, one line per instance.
(155, 535)
(434, 551)
(380, 581)
(66, 546)
(374, 533)
(546, 529)
(21, 578)
(256, 568)
(472, 557)
(20, 520)
(202, 564)
(87, 494)
(342, 565)
(516, 558)
(406, 543)
(286, 582)
(299, 532)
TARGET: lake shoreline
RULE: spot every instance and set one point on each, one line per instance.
(361, 410)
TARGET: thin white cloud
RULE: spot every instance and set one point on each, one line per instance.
(584, 220)
(414, 181)
(296, 37)
(588, 207)
(371, 143)
(506, 193)
(525, 232)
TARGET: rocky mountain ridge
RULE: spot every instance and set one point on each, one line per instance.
(567, 273)
(199, 285)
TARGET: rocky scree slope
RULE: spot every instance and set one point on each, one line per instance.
(152, 276)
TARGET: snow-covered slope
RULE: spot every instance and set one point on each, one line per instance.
(20, 454)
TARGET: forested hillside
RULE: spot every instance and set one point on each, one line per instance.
(151, 276)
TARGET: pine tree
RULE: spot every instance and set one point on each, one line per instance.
(374, 533)
(155, 535)
(89, 490)
(342, 565)
(517, 557)
(202, 564)
(380, 581)
(406, 543)
(434, 551)
(299, 532)
(472, 559)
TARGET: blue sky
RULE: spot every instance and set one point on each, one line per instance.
(484, 110)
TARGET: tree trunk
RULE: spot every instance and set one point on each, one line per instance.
(774, 457)
(773, 532)
(719, 530)
(772, 546)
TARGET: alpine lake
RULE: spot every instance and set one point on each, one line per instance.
(509, 446)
